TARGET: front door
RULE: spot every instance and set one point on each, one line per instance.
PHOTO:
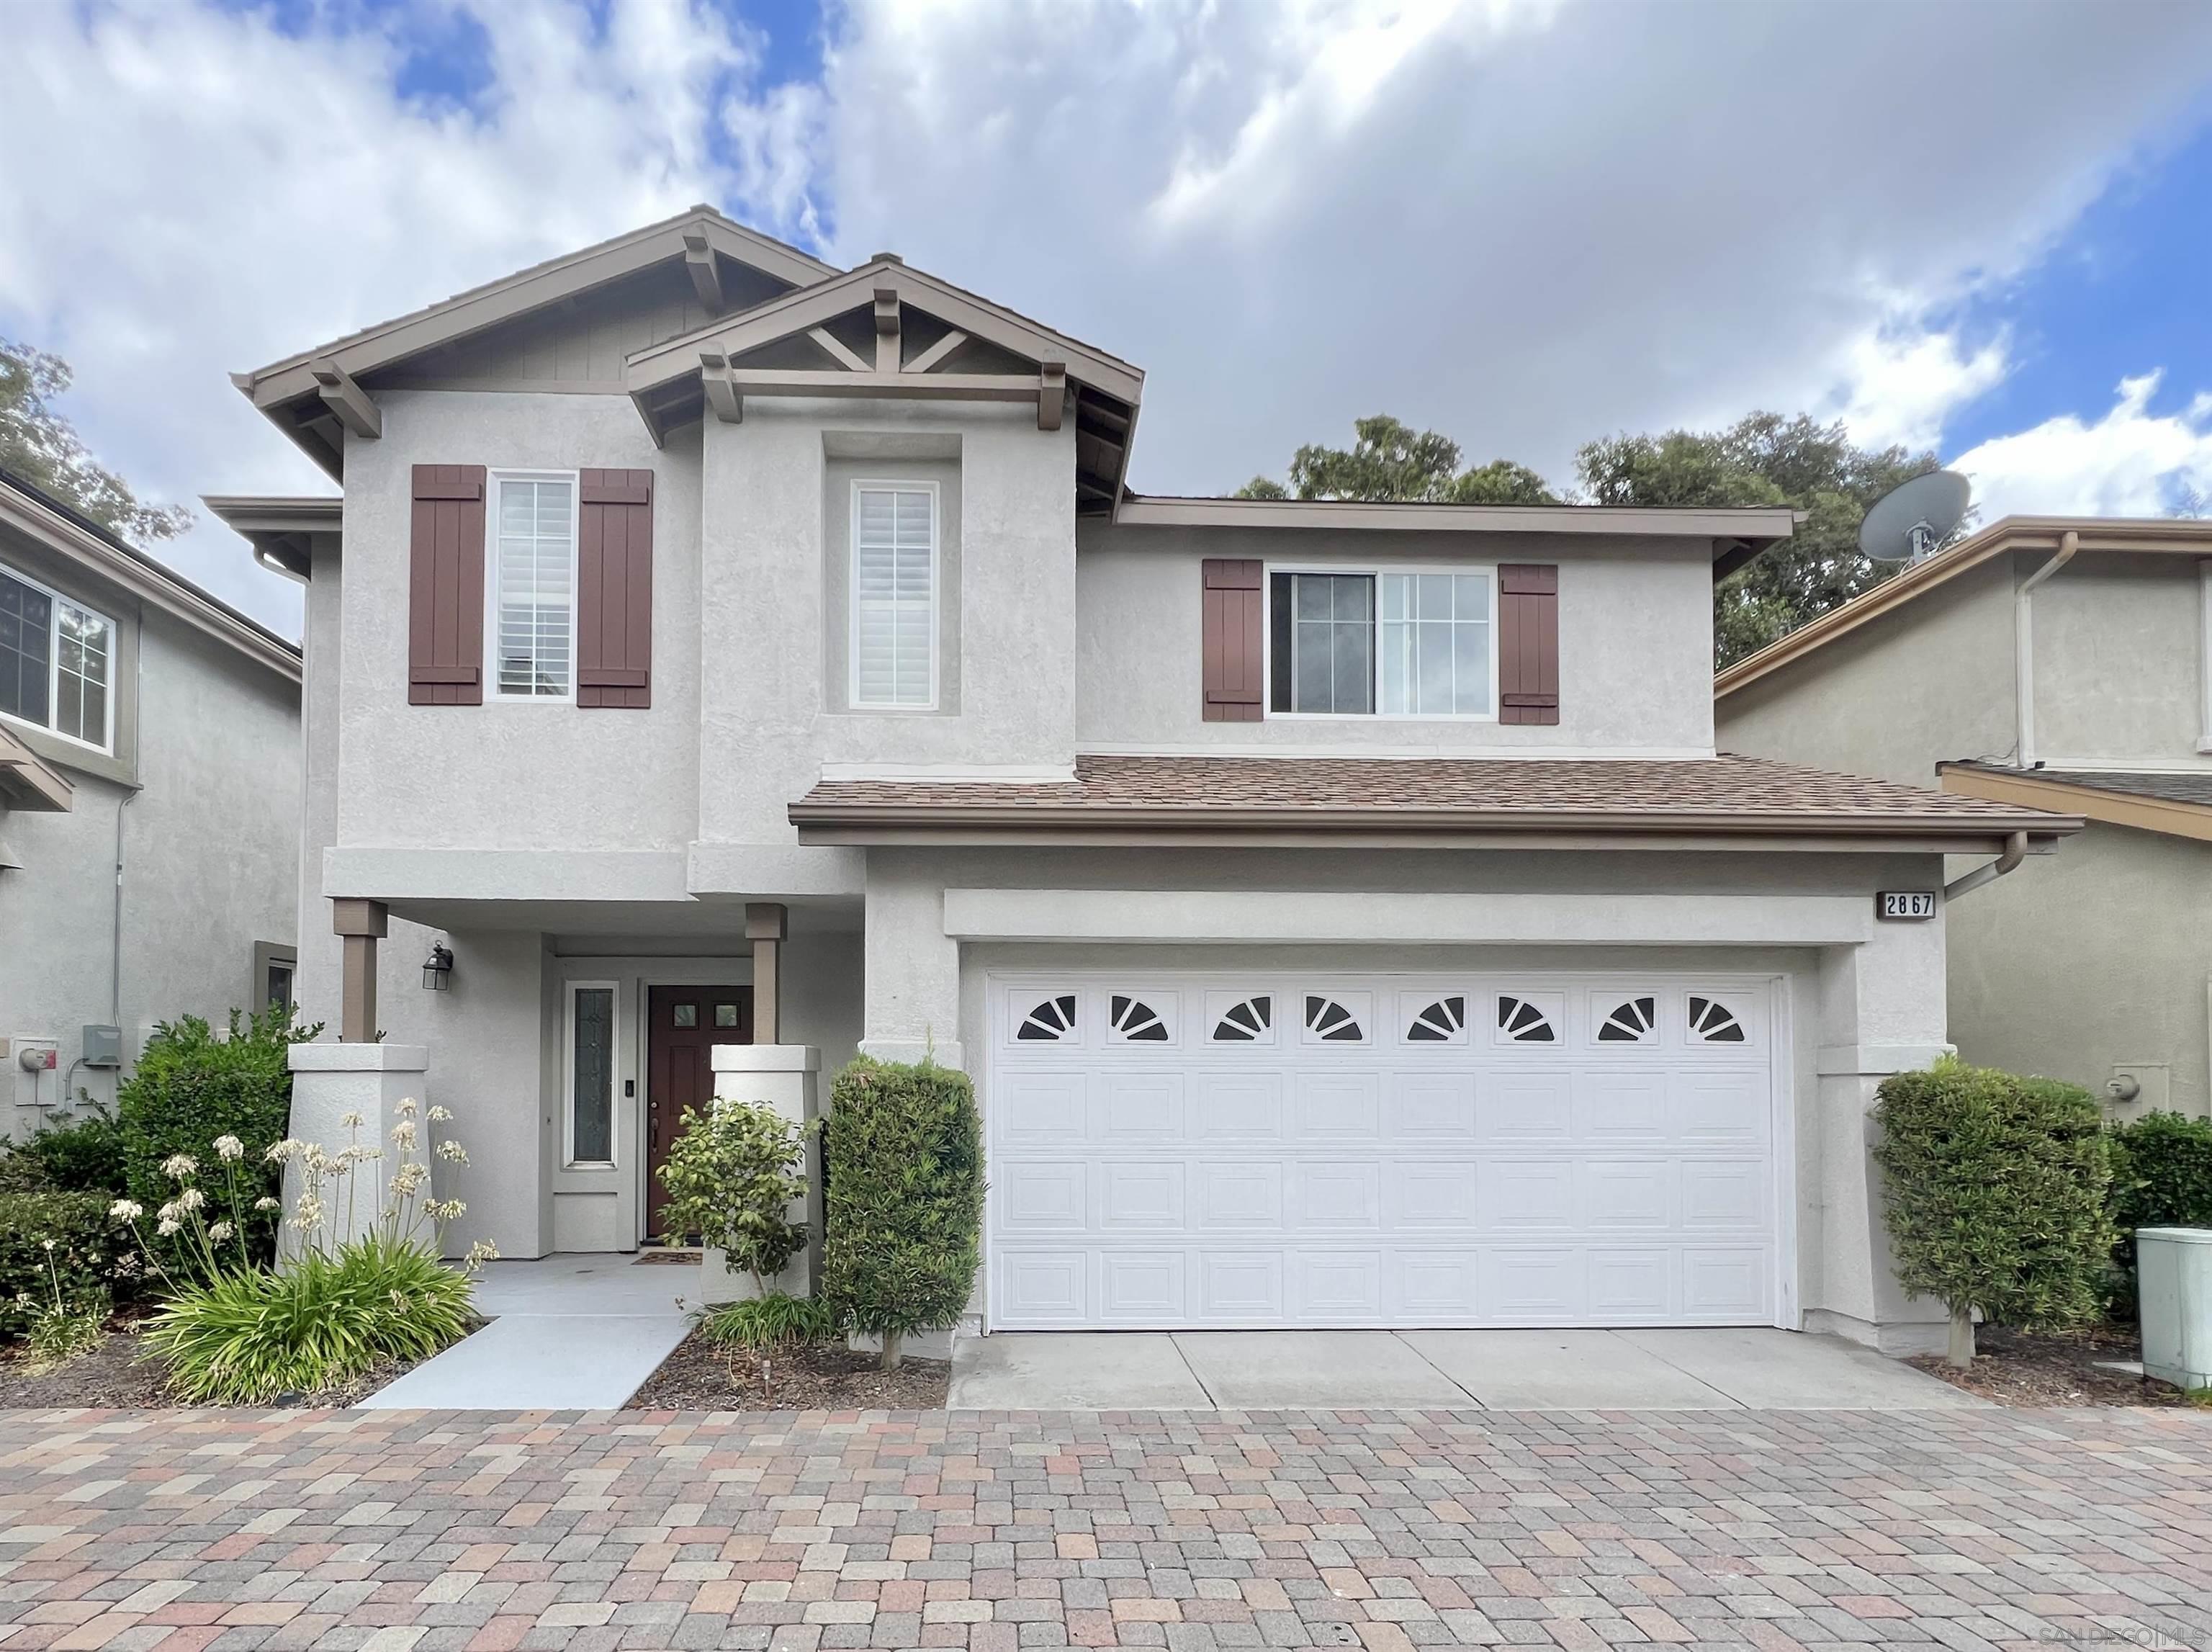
(683, 1023)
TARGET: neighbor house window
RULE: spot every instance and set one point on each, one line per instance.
(1411, 644)
(57, 663)
(592, 1073)
(895, 596)
(533, 610)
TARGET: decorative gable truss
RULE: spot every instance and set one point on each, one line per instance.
(884, 331)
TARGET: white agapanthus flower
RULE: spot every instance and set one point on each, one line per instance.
(167, 1225)
(192, 1198)
(177, 1166)
(221, 1231)
(124, 1211)
(438, 1115)
(267, 1203)
(452, 1151)
(229, 1148)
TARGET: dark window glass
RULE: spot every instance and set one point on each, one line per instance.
(595, 1076)
(26, 630)
(280, 986)
(1324, 633)
(685, 1015)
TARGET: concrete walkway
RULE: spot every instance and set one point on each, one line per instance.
(567, 1333)
(1726, 1369)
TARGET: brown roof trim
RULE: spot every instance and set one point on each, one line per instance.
(2031, 790)
(27, 783)
(1732, 531)
(89, 545)
(2156, 535)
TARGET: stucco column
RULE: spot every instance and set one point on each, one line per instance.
(361, 924)
(912, 969)
(332, 1083)
(780, 1077)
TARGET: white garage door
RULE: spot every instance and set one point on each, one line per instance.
(1185, 1151)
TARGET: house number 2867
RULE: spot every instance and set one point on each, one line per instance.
(1904, 906)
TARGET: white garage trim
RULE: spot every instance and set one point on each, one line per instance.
(1198, 915)
(1272, 1147)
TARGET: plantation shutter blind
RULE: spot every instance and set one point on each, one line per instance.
(446, 586)
(894, 597)
(1527, 643)
(1233, 640)
(614, 589)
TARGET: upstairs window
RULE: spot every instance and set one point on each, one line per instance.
(1391, 644)
(894, 644)
(57, 663)
(533, 606)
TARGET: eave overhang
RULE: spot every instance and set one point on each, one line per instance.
(109, 557)
(2168, 816)
(27, 784)
(914, 331)
(2036, 534)
(313, 396)
(1735, 535)
(282, 529)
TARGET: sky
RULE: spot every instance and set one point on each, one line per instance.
(1980, 228)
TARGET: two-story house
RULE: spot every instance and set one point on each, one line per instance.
(1341, 908)
(2052, 663)
(149, 806)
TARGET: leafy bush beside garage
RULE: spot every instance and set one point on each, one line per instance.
(2161, 1178)
(1994, 1194)
(905, 1198)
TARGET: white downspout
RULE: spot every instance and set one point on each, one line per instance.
(2023, 642)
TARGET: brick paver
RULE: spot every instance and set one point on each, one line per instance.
(414, 1532)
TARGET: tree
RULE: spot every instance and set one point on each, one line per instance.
(43, 447)
(1390, 460)
(1764, 459)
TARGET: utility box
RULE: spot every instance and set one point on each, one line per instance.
(2174, 1286)
(103, 1045)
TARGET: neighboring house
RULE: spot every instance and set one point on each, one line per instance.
(2055, 664)
(149, 805)
(1340, 906)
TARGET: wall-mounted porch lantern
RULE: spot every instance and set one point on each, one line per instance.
(438, 967)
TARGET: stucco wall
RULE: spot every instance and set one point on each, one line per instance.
(1635, 642)
(2118, 641)
(209, 846)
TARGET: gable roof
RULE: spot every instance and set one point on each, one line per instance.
(668, 381)
(289, 393)
(69, 534)
(2157, 536)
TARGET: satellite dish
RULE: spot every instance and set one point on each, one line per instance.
(1907, 523)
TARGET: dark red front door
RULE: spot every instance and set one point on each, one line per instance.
(683, 1023)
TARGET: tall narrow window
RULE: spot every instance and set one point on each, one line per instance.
(591, 1114)
(1324, 642)
(57, 662)
(1436, 645)
(535, 573)
(894, 597)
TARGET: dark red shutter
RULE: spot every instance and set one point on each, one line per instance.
(445, 588)
(1234, 625)
(614, 589)
(1527, 643)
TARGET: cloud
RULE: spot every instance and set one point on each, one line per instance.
(1525, 223)
(190, 191)
(2131, 462)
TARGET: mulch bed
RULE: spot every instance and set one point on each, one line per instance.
(699, 1376)
(2021, 1368)
(113, 1376)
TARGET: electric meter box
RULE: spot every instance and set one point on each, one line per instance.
(2173, 1285)
(103, 1047)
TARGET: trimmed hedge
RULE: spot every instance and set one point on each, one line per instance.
(905, 1198)
(85, 1249)
(191, 1086)
(1994, 1195)
(2161, 1178)
(81, 1152)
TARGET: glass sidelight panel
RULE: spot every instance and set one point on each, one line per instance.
(685, 1015)
(591, 1128)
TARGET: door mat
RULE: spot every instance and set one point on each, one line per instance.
(666, 1257)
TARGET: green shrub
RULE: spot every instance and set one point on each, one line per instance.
(190, 1087)
(80, 1151)
(772, 1320)
(2161, 1177)
(731, 1174)
(905, 1198)
(1995, 1195)
(80, 1265)
(253, 1335)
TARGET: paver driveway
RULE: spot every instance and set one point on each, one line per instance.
(387, 1530)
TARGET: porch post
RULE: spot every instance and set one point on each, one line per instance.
(766, 926)
(363, 924)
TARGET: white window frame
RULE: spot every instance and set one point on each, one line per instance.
(898, 484)
(1377, 572)
(106, 746)
(494, 481)
(568, 1159)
